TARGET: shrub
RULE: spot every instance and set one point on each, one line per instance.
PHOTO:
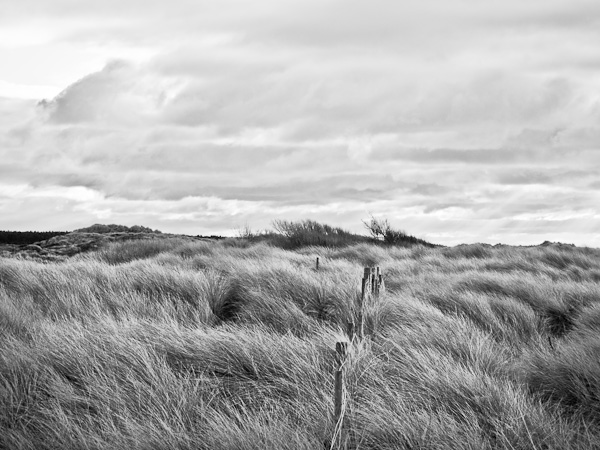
(381, 230)
(308, 232)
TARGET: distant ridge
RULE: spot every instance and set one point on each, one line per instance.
(56, 246)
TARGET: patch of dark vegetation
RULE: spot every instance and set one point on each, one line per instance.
(27, 237)
(568, 378)
(382, 231)
(229, 305)
(289, 234)
(559, 321)
(102, 229)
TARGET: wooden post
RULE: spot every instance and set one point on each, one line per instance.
(366, 284)
(317, 263)
(366, 293)
(341, 349)
(372, 285)
(338, 396)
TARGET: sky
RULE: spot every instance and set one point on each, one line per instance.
(459, 121)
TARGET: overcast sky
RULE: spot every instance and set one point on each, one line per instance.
(458, 120)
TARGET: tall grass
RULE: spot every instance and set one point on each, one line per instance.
(211, 345)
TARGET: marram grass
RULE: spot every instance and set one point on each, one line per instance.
(181, 345)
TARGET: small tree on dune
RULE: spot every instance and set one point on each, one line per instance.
(381, 230)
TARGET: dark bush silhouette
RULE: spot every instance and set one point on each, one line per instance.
(381, 230)
(101, 228)
(27, 237)
(309, 232)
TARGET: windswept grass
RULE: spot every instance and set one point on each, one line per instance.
(173, 343)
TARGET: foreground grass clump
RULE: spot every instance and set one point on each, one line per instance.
(214, 345)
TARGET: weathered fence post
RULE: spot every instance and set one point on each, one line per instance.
(372, 285)
(366, 289)
(341, 349)
(366, 284)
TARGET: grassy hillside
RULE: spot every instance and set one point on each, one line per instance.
(229, 345)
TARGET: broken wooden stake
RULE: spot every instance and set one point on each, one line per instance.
(341, 349)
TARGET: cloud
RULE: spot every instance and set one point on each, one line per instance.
(430, 189)
(457, 120)
(118, 95)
